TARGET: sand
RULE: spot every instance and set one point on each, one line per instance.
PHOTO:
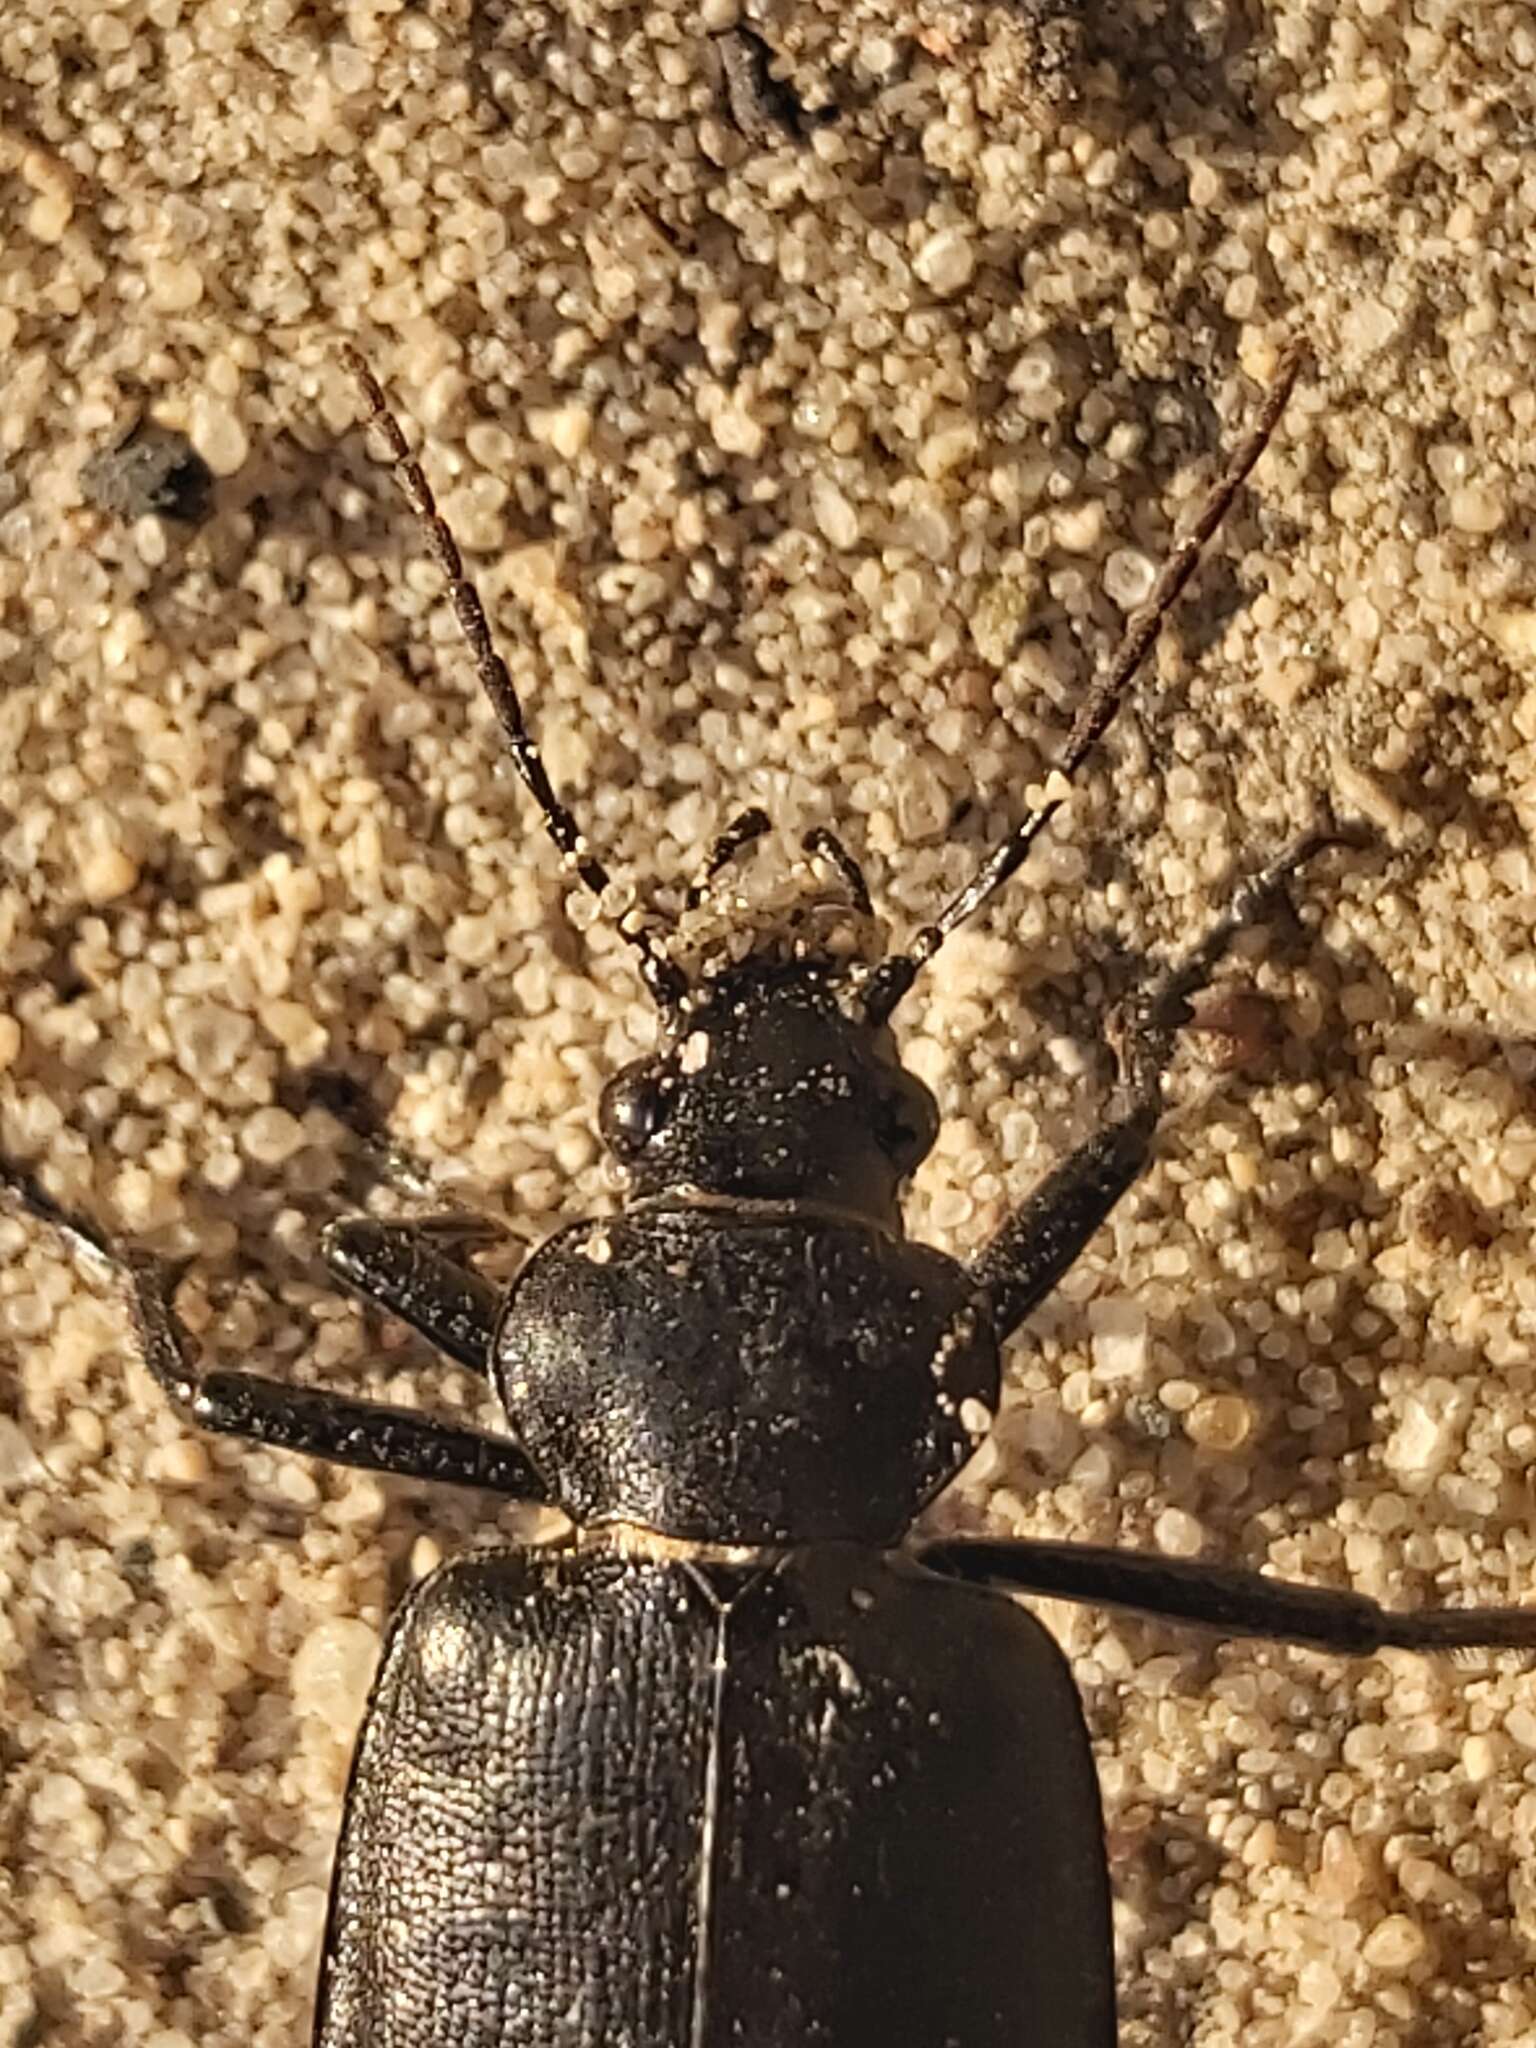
(810, 434)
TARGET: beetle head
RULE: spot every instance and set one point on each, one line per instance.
(772, 1084)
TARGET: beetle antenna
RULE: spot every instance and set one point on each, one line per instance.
(895, 976)
(664, 981)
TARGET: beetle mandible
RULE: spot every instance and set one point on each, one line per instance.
(708, 1774)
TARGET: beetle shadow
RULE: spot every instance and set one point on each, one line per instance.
(1157, 1872)
(55, 2015)
(1185, 70)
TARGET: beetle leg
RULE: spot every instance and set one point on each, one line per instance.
(322, 1424)
(464, 1229)
(399, 1267)
(1231, 1602)
(315, 1420)
(1047, 1234)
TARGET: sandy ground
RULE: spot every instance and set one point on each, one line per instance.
(810, 436)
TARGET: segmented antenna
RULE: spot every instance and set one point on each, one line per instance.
(891, 980)
(665, 981)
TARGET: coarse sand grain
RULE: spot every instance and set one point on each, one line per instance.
(811, 395)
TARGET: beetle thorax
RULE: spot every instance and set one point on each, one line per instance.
(745, 1372)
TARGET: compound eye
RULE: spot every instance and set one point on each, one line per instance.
(909, 1123)
(632, 1110)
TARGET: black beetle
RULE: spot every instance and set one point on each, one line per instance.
(709, 1775)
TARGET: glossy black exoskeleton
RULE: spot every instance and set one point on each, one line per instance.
(714, 1773)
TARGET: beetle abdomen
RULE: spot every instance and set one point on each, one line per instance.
(829, 1803)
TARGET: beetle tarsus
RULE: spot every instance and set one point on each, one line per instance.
(822, 843)
(1144, 1029)
(88, 1243)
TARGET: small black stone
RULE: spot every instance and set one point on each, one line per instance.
(154, 470)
